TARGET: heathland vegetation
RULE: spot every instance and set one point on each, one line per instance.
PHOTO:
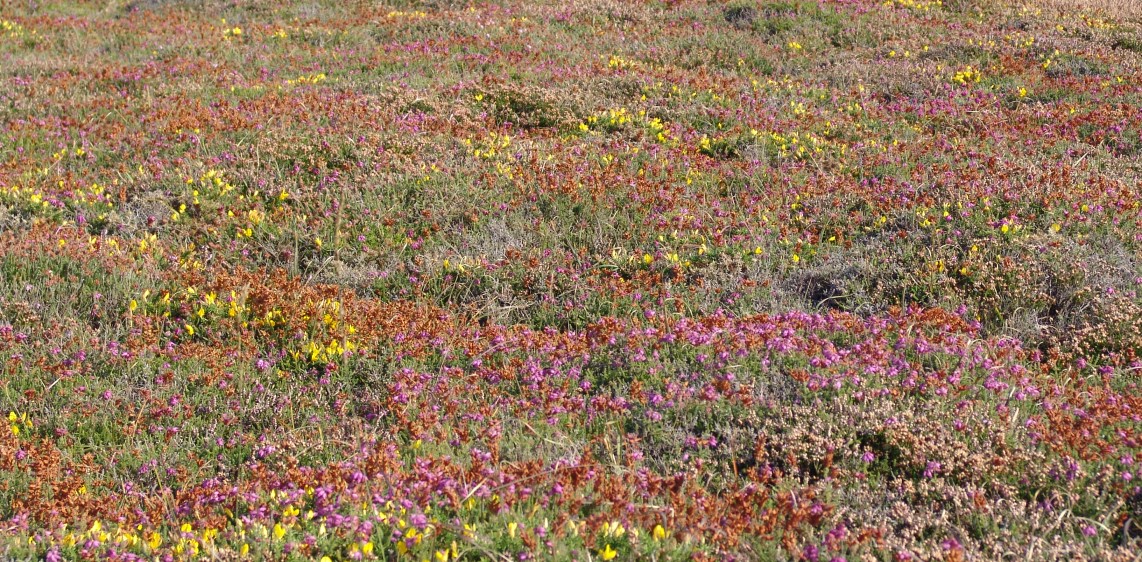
(597, 280)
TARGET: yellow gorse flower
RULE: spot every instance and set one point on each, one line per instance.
(18, 420)
(608, 553)
(966, 76)
(614, 529)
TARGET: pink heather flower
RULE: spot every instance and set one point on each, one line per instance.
(418, 520)
(810, 553)
(1089, 530)
(868, 457)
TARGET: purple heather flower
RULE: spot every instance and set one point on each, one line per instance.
(418, 520)
(810, 553)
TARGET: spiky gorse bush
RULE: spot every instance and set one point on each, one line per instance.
(592, 280)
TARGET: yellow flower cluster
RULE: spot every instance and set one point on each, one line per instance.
(918, 5)
(491, 146)
(399, 14)
(11, 29)
(795, 144)
(967, 76)
(23, 195)
(329, 327)
(618, 63)
(17, 421)
(620, 118)
(611, 119)
(307, 79)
